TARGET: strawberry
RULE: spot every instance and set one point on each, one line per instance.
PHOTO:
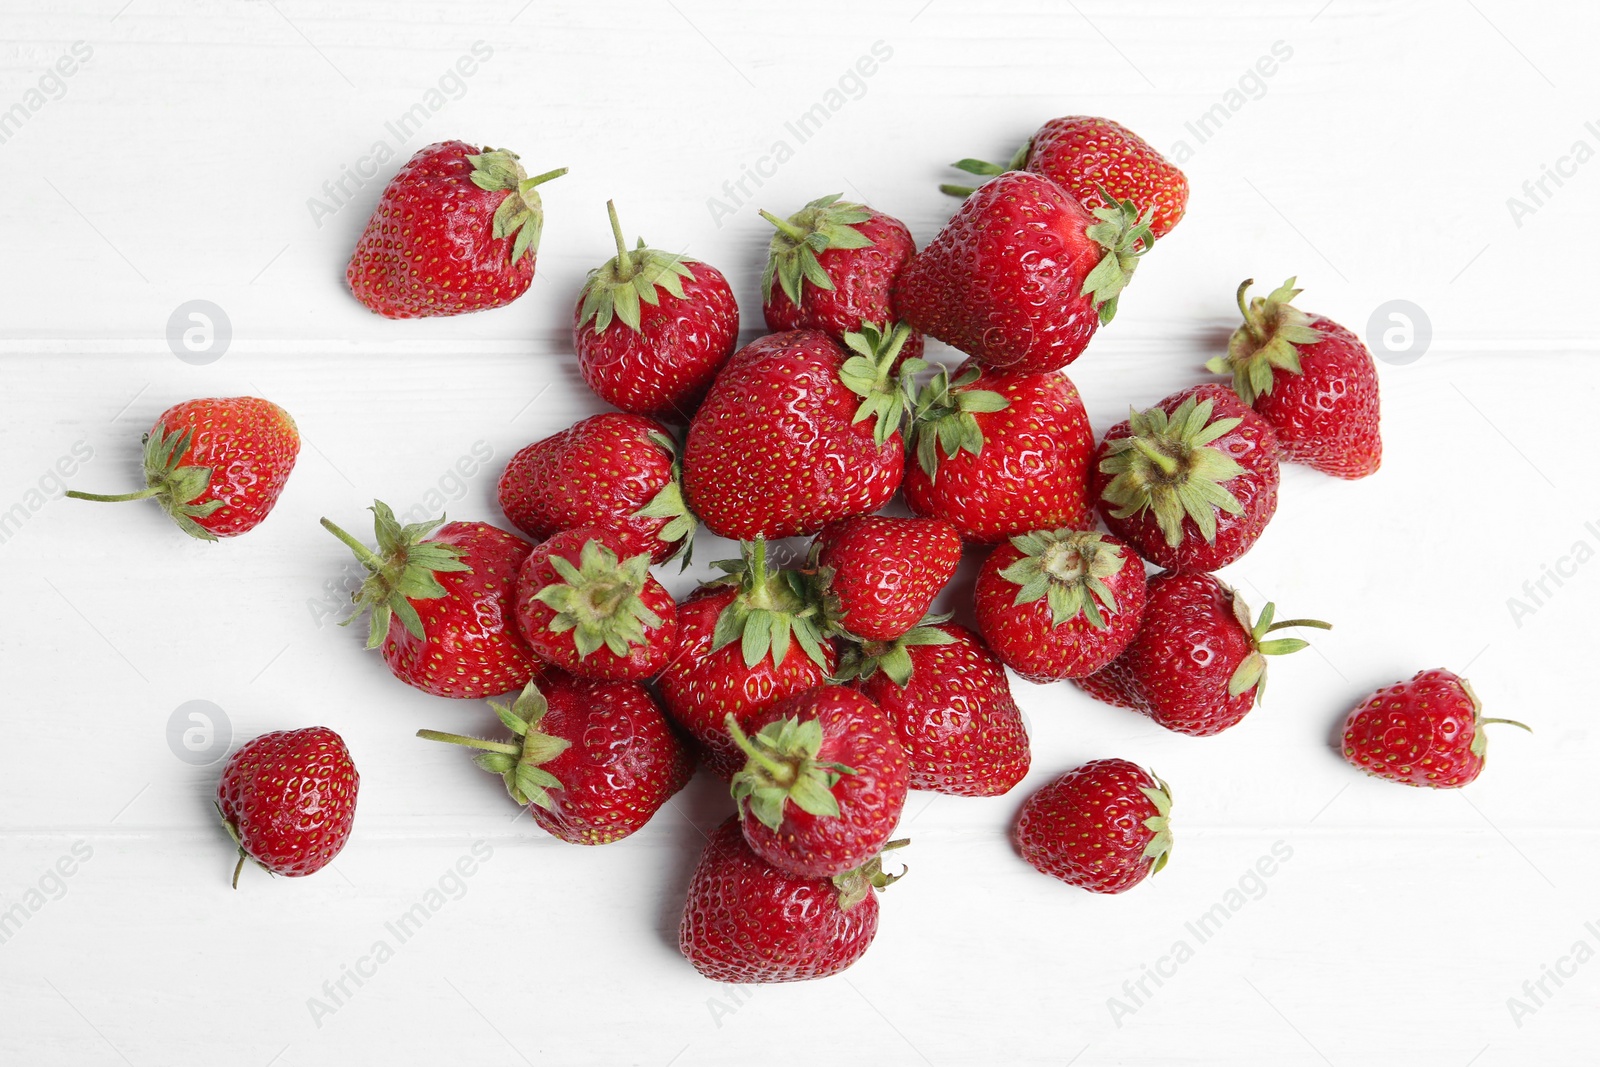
(591, 760)
(456, 230)
(1000, 453)
(1023, 275)
(850, 255)
(1311, 378)
(651, 329)
(746, 921)
(1198, 663)
(453, 589)
(878, 575)
(824, 784)
(797, 432)
(288, 800)
(1085, 155)
(613, 470)
(216, 466)
(587, 607)
(1425, 732)
(736, 654)
(1191, 482)
(1102, 826)
(949, 699)
(1058, 604)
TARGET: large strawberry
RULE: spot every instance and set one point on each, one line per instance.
(453, 590)
(1425, 732)
(651, 329)
(1311, 378)
(613, 470)
(878, 575)
(456, 230)
(797, 432)
(288, 800)
(1191, 482)
(592, 761)
(1084, 155)
(1000, 453)
(217, 466)
(1102, 826)
(746, 921)
(1024, 274)
(1058, 604)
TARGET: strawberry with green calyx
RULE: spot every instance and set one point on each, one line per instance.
(1425, 732)
(864, 659)
(877, 575)
(1103, 826)
(651, 329)
(288, 800)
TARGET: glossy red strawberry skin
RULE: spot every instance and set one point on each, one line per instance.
(249, 444)
(1087, 827)
(773, 452)
(598, 472)
(1002, 281)
(1033, 471)
(290, 798)
(664, 368)
(886, 570)
(961, 729)
(1252, 444)
(1327, 416)
(1082, 154)
(746, 921)
(1418, 732)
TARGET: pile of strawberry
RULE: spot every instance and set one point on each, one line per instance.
(817, 682)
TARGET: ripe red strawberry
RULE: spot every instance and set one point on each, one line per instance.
(586, 606)
(613, 470)
(1425, 732)
(288, 800)
(453, 590)
(217, 466)
(878, 575)
(951, 704)
(1191, 482)
(835, 263)
(1000, 453)
(1084, 154)
(592, 761)
(1102, 826)
(1198, 664)
(736, 654)
(746, 921)
(1023, 275)
(797, 432)
(1060, 604)
(651, 329)
(1311, 378)
(456, 230)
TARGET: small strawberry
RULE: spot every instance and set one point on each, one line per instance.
(797, 432)
(1191, 482)
(1084, 154)
(456, 230)
(834, 263)
(613, 470)
(1057, 604)
(746, 921)
(651, 329)
(1101, 827)
(878, 575)
(1023, 275)
(453, 590)
(1425, 732)
(1311, 378)
(1000, 453)
(585, 606)
(592, 761)
(288, 800)
(217, 466)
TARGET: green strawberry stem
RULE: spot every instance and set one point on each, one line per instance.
(1251, 326)
(517, 764)
(115, 498)
(1266, 341)
(540, 179)
(771, 608)
(854, 885)
(624, 262)
(1252, 670)
(175, 487)
(233, 832)
(363, 553)
(1317, 623)
(470, 742)
(404, 569)
(787, 228)
(1507, 722)
(782, 767)
(985, 169)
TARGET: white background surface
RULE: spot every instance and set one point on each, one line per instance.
(1376, 163)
